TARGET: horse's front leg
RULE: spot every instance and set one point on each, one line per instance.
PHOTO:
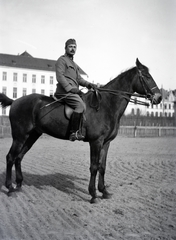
(19, 175)
(102, 169)
(95, 148)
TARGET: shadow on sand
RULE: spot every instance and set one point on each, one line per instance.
(66, 183)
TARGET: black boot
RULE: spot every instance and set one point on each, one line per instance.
(75, 131)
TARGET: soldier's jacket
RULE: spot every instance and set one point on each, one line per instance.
(68, 76)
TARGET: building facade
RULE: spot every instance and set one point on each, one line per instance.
(23, 74)
(164, 109)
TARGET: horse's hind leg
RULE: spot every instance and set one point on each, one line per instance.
(102, 169)
(10, 160)
(15, 156)
(27, 145)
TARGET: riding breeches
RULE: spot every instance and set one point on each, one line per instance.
(74, 101)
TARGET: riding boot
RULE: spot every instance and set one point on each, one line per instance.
(75, 129)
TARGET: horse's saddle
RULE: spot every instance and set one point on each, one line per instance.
(68, 111)
(96, 97)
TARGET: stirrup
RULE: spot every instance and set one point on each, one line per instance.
(76, 136)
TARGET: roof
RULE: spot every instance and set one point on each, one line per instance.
(166, 93)
(25, 60)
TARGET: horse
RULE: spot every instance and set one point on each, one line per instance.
(35, 114)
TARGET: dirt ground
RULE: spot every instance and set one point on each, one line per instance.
(54, 201)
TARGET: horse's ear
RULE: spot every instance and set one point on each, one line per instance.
(138, 64)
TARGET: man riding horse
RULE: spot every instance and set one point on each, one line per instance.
(69, 79)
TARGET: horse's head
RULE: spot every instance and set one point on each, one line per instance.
(144, 84)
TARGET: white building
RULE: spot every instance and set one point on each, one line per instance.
(165, 108)
(23, 74)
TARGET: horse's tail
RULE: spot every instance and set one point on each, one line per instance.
(5, 101)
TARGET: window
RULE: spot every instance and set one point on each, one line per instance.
(161, 105)
(4, 90)
(169, 106)
(4, 76)
(42, 79)
(165, 106)
(51, 93)
(51, 80)
(15, 76)
(148, 114)
(156, 114)
(33, 78)
(33, 90)
(24, 77)
(14, 92)
(161, 114)
(132, 111)
(24, 91)
(43, 91)
(3, 111)
(138, 111)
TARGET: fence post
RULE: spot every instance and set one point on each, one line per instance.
(159, 132)
(135, 131)
(2, 131)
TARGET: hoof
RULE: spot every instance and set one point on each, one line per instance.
(13, 190)
(17, 188)
(94, 200)
(106, 195)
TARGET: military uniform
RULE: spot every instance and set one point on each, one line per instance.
(68, 77)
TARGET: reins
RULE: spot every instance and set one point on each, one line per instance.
(126, 95)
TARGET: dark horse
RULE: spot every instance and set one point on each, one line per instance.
(34, 114)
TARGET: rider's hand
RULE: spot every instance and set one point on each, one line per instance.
(75, 90)
(91, 85)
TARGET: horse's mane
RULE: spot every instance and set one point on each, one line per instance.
(120, 76)
(123, 74)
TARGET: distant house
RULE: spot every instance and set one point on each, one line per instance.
(165, 108)
(23, 74)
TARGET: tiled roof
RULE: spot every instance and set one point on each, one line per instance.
(25, 60)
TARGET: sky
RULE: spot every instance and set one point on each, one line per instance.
(110, 34)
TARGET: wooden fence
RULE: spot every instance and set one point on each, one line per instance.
(144, 131)
(129, 131)
(5, 131)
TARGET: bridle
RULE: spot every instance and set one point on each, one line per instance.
(148, 91)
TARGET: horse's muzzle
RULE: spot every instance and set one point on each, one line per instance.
(156, 99)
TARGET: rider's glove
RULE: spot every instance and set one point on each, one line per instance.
(91, 85)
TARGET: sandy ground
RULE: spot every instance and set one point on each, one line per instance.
(54, 201)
